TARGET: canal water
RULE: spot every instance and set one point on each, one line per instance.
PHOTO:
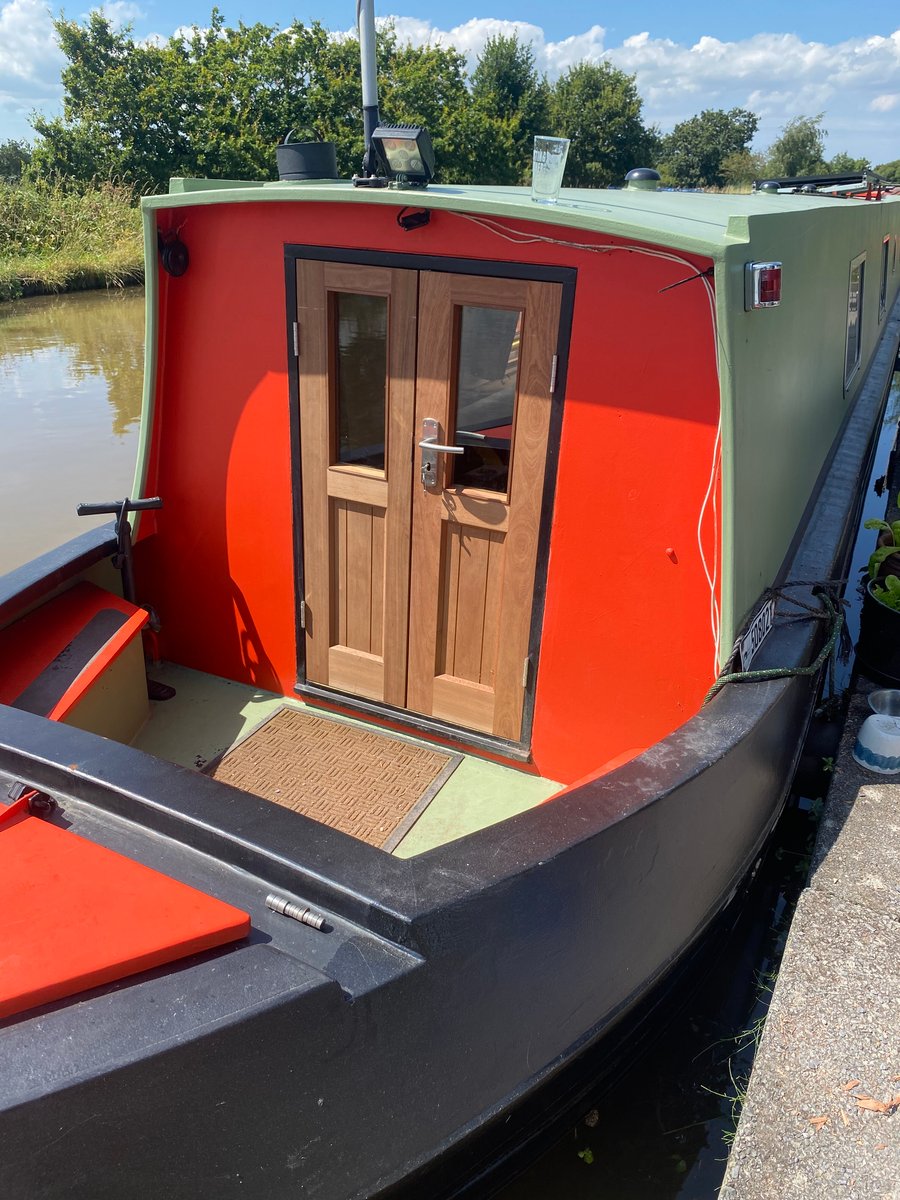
(70, 387)
(70, 401)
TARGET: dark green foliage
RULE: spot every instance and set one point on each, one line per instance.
(14, 158)
(845, 164)
(741, 168)
(700, 152)
(513, 104)
(890, 170)
(217, 102)
(213, 104)
(598, 107)
(800, 150)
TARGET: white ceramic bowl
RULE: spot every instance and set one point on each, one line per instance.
(878, 744)
(886, 701)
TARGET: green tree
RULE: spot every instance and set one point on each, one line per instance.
(14, 158)
(800, 150)
(598, 107)
(216, 103)
(696, 149)
(742, 167)
(513, 103)
(889, 170)
(844, 164)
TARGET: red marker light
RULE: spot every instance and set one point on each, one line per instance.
(762, 286)
(769, 286)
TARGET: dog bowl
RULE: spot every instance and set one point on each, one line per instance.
(886, 701)
(878, 744)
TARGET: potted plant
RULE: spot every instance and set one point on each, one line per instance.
(886, 554)
(878, 651)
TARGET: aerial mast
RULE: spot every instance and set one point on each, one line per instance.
(365, 22)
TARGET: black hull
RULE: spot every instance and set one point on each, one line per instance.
(449, 989)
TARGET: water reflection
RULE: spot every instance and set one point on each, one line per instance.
(71, 371)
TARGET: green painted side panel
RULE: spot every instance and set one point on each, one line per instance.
(782, 376)
(151, 350)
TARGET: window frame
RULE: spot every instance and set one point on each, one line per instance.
(850, 370)
(885, 259)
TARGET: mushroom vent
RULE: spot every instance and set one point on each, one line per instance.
(643, 179)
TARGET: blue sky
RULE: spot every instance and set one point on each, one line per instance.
(824, 22)
(779, 60)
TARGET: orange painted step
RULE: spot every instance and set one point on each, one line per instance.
(76, 915)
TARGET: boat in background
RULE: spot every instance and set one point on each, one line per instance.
(447, 490)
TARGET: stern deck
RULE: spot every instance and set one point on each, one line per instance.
(210, 720)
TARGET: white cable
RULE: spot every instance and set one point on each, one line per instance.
(710, 499)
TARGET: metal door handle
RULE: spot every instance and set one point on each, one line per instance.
(431, 444)
(431, 448)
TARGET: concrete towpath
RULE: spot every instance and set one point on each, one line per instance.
(822, 1116)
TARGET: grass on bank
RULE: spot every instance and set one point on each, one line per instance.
(53, 239)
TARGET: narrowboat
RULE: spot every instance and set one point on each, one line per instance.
(361, 778)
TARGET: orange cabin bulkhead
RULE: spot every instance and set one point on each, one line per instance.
(625, 646)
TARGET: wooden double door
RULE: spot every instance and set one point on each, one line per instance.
(419, 562)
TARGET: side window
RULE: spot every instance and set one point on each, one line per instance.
(882, 295)
(854, 317)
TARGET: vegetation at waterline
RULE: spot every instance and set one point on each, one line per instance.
(54, 238)
(214, 102)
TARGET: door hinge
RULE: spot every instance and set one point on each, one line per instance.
(526, 671)
(554, 364)
(296, 339)
(302, 614)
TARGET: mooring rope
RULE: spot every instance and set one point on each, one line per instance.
(832, 611)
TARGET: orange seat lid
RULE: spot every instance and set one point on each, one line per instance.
(77, 915)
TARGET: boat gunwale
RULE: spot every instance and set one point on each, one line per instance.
(36, 580)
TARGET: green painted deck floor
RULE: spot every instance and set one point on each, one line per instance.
(208, 715)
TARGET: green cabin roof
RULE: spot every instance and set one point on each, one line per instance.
(697, 222)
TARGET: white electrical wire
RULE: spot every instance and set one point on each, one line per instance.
(710, 500)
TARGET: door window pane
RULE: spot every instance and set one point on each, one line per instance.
(361, 378)
(486, 382)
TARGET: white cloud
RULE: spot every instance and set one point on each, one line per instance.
(119, 13)
(469, 39)
(30, 63)
(777, 75)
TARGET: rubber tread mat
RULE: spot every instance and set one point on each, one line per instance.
(370, 785)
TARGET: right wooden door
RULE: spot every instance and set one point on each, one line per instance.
(484, 379)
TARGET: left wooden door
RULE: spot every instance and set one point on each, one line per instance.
(357, 366)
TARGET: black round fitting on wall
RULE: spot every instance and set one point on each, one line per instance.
(173, 254)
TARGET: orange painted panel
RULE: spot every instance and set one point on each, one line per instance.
(77, 915)
(626, 651)
(29, 645)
